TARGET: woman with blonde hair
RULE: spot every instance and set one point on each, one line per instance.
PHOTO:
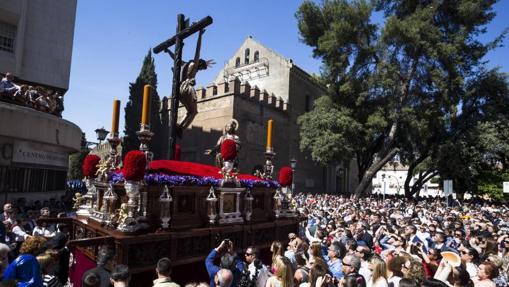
(379, 270)
(283, 275)
(315, 250)
(277, 250)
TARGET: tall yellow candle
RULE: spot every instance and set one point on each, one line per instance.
(116, 114)
(269, 135)
(145, 112)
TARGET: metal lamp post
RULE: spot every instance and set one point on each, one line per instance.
(385, 187)
(293, 165)
(101, 134)
(339, 174)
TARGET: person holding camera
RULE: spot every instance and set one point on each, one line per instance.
(229, 272)
(413, 238)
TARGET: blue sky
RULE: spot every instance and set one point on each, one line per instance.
(112, 37)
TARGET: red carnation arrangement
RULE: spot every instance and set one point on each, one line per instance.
(285, 176)
(229, 150)
(134, 165)
(90, 163)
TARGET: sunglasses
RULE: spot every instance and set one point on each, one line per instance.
(465, 252)
(346, 264)
(248, 254)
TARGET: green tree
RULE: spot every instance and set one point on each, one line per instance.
(133, 110)
(381, 78)
(459, 145)
(490, 183)
(76, 163)
(76, 160)
(477, 140)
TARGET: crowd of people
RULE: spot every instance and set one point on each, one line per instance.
(378, 243)
(36, 97)
(341, 242)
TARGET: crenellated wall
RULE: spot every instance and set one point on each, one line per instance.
(235, 87)
(258, 84)
(252, 108)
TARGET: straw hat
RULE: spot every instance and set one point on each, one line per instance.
(451, 257)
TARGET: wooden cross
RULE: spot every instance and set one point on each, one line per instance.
(183, 31)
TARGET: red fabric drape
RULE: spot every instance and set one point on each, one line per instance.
(81, 265)
(190, 168)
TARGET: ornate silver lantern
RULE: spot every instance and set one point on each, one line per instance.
(212, 206)
(165, 200)
(278, 197)
(132, 190)
(109, 199)
(248, 205)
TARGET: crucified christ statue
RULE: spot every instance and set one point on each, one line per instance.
(188, 81)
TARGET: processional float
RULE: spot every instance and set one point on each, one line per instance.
(148, 209)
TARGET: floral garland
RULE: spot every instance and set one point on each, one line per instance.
(182, 180)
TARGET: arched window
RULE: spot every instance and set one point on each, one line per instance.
(246, 56)
(256, 56)
(237, 62)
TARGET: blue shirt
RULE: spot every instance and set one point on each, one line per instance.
(335, 268)
(212, 269)
(25, 270)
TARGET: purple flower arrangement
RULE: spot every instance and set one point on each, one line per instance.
(179, 180)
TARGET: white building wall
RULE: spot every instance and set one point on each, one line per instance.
(394, 183)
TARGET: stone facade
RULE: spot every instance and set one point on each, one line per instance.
(256, 85)
(36, 40)
(42, 33)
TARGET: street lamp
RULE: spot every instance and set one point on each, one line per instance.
(293, 165)
(101, 134)
(385, 187)
(339, 175)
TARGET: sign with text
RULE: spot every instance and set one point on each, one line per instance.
(5, 152)
(506, 186)
(448, 187)
(33, 153)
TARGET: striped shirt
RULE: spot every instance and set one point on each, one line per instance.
(50, 281)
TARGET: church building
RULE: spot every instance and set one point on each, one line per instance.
(258, 84)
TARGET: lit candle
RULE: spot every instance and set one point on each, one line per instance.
(114, 119)
(145, 112)
(269, 135)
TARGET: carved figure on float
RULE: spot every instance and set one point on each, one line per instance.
(229, 133)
